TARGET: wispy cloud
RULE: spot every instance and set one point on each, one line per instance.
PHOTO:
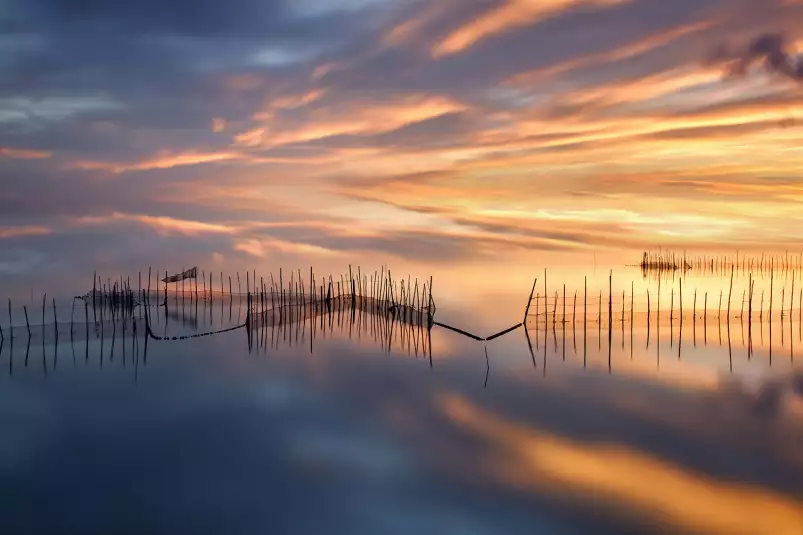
(26, 154)
(444, 129)
(21, 232)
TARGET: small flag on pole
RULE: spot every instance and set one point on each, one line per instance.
(189, 274)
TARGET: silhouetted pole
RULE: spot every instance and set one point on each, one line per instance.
(730, 293)
(27, 323)
(529, 301)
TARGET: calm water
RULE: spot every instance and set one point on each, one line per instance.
(368, 426)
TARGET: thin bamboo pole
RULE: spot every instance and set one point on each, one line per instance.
(772, 276)
(27, 323)
(730, 293)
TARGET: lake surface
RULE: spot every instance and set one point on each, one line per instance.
(579, 422)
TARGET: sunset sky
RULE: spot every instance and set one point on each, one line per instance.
(437, 130)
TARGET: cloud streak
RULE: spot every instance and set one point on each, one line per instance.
(446, 131)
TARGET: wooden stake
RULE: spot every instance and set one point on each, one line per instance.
(27, 323)
(529, 301)
(730, 293)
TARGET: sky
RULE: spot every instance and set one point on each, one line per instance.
(437, 131)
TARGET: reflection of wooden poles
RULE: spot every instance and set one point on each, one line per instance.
(680, 335)
(772, 270)
(671, 305)
(599, 313)
(632, 303)
(55, 320)
(599, 324)
(585, 320)
(761, 309)
(546, 304)
(555, 310)
(705, 320)
(658, 306)
(741, 311)
(750, 314)
(529, 345)
(623, 312)
(610, 318)
(792, 298)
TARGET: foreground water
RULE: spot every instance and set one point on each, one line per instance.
(361, 425)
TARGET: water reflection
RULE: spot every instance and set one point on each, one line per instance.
(382, 425)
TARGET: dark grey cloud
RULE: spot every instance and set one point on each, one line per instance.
(241, 19)
(149, 66)
(771, 51)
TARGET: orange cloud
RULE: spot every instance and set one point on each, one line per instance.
(260, 247)
(167, 159)
(411, 28)
(290, 102)
(24, 154)
(350, 118)
(250, 247)
(513, 14)
(218, 124)
(162, 224)
(20, 232)
(164, 160)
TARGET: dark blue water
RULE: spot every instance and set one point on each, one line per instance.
(368, 430)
